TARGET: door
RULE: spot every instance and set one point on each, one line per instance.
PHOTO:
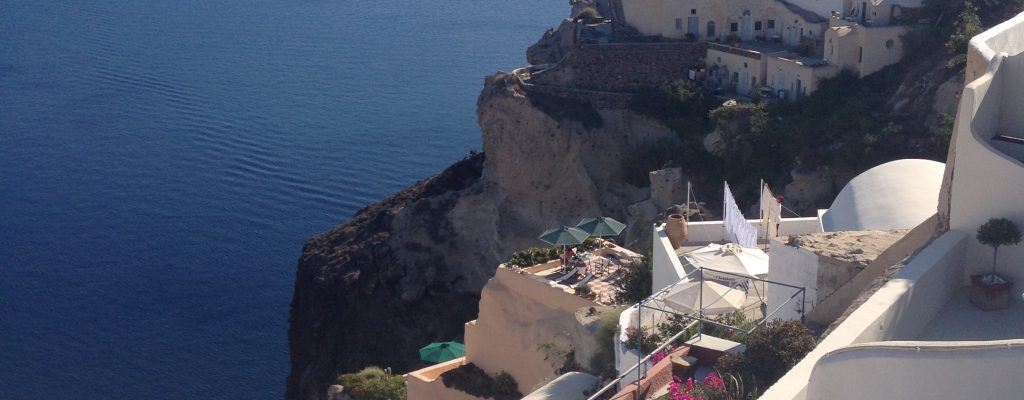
(693, 26)
(746, 26)
(744, 83)
(797, 91)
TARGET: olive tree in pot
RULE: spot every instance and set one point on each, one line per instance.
(991, 291)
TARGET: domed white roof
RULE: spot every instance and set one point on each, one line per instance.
(896, 195)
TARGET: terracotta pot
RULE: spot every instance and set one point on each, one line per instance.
(675, 228)
(990, 296)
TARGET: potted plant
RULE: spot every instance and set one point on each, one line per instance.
(991, 291)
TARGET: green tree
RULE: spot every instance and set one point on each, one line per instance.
(967, 25)
(998, 232)
(637, 282)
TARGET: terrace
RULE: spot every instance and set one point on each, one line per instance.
(593, 274)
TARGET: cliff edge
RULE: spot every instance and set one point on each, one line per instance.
(408, 270)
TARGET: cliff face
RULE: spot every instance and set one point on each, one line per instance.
(408, 270)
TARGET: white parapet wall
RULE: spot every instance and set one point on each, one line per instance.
(938, 370)
(796, 267)
(667, 269)
(986, 182)
(899, 310)
(714, 231)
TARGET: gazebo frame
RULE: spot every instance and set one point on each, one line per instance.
(699, 320)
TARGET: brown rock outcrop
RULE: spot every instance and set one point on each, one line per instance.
(408, 270)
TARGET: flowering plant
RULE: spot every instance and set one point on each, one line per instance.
(658, 356)
(711, 388)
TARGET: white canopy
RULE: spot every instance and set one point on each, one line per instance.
(714, 298)
(571, 386)
(745, 261)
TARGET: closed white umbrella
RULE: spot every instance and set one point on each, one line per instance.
(744, 261)
(714, 298)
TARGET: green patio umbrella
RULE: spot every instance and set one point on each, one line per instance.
(436, 353)
(601, 226)
(565, 235)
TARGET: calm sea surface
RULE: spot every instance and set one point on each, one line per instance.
(162, 163)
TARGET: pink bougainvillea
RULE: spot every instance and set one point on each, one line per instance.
(714, 382)
(711, 388)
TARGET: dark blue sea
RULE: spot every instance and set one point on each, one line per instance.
(163, 162)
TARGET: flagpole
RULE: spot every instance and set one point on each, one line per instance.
(686, 217)
(764, 217)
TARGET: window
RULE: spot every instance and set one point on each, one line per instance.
(693, 11)
(719, 59)
(860, 54)
(711, 29)
(733, 27)
(744, 65)
(757, 25)
(679, 24)
(771, 24)
(889, 43)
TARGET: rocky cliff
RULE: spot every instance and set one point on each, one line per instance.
(408, 270)
(559, 146)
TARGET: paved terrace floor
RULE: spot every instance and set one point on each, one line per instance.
(606, 267)
(960, 320)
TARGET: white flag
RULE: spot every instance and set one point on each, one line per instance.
(771, 211)
(737, 228)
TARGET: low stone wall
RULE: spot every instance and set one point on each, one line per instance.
(426, 383)
(600, 100)
(623, 67)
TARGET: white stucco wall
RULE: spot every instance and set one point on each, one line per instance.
(748, 66)
(795, 267)
(921, 371)
(986, 182)
(518, 314)
(658, 17)
(899, 310)
(667, 269)
(714, 231)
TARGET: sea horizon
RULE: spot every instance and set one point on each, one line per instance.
(162, 165)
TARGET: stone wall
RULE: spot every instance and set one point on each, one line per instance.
(622, 67)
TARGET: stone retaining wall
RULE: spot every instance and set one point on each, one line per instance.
(622, 67)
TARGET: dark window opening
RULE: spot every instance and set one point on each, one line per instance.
(771, 24)
(733, 27)
(693, 11)
(757, 25)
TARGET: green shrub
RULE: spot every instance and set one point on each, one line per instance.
(641, 339)
(603, 361)
(373, 383)
(533, 256)
(772, 350)
(635, 284)
(471, 379)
